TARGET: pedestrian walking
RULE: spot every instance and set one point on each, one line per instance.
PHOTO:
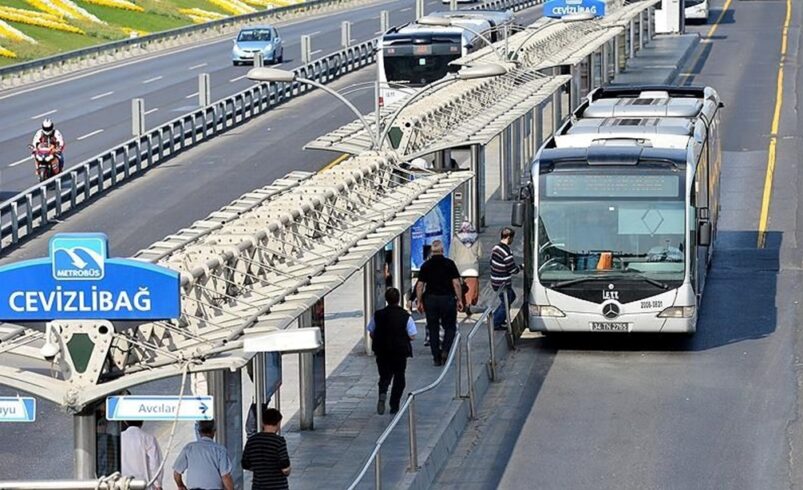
(140, 455)
(204, 463)
(466, 251)
(266, 455)
(439, 297)
(392, 329)
(503, 266)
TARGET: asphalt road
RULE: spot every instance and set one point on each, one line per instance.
(93, 109)
(720, 410)
(165, 199)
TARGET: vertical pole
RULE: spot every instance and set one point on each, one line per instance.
(557, 110)
(419, 9)
(632, 35)
(650, 22)
(138, 117)
(378, 470)
(396, 266)
(489, 322)
(412, 436)
(575, 87)
(641, 30)
(518, 155)
(458, 371)
(474, 191)
(592, 70)
(616, 48)
(226, 388)
(306, 50)
(368, 301)
(504, 165)
(204, 90)
(259, 60)
(85, 438)
(538, 127)
(384, 21)
(306, 391)
(452, 4)
(345, 34)
(259, 386)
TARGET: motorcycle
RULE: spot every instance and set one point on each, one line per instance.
(46, 160)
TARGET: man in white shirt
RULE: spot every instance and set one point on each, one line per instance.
(140, 455)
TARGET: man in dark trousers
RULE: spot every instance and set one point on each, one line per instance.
(266, 455)
(503, 266)
(439, 295)
(392, 329)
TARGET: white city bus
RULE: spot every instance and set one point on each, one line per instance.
(620, 212)
(414, 55)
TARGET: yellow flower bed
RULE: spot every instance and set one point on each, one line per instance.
(134, 32)
(118, 4)
(259, 3)
(32, 13)
(7, 53)
(9, 32)
(7, 13)
(71, 10)
(234, 7)
(202, 14)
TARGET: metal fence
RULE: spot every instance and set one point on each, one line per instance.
(40, 69)
(408, 407)
(35, 207)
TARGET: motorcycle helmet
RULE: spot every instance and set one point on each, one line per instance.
(48, 127)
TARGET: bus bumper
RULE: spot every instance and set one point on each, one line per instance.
(595, 323)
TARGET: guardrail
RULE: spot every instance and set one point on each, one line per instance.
(35, 207)
(40, 69)
(38, 205)
(408, 407)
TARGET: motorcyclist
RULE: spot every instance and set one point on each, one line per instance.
(52, 136)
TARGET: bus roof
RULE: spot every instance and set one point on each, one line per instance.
(616, 153)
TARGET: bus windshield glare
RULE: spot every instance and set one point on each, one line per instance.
(610, 224)
(416, 63)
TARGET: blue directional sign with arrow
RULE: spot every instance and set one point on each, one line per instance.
(164, 408)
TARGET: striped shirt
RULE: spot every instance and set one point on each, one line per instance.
(266, 455)
(503, 265)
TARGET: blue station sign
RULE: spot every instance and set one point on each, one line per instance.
(78, 281)
(559, 8)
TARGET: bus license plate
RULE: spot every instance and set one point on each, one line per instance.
(610, 327)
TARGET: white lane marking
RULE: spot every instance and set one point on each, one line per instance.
(100, 96)
(197, 66)
(20, 162)
(152, 79)
(191, 95)
(152, 110)
(44, 114)
(406, 10)
(316, 51)
(93, 133)
(314, 33)
(237, 79)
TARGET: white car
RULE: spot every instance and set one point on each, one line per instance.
(697, 10)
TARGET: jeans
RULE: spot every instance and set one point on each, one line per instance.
(500, 315)
(391, 368)
(441, 311)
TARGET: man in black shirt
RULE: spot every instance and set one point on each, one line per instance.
(391, 329)
(439, 296)
(266, 454)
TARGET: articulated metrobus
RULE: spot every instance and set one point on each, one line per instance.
(415, 55)
(620, 212)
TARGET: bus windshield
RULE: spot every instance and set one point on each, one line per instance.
(421, 60)
(612, 224)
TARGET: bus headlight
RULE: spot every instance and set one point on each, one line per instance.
(678, 312)
(545, 310)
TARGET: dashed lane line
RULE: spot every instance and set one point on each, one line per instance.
(100, 96)
(89, 135)
(38, 116)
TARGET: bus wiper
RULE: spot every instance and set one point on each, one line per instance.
(570, 282)
(646, 279)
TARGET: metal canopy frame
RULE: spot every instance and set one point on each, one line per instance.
(254, 266)
(475, 111)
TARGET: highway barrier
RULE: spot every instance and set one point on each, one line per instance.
(80, 59)
(37, 206)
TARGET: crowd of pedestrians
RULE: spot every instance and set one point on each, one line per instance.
(445, 287)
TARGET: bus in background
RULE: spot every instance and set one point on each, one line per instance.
(620, 213)
(696, 10)
(414, 55)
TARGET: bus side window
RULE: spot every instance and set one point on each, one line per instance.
(701, 187)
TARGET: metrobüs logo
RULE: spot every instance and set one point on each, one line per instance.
(78, 257)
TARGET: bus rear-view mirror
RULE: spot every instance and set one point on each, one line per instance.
(704, 234)
(518, 213)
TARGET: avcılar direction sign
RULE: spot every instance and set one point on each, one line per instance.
(17, 409)
(79, 282)
(560, 8)
(133, 407)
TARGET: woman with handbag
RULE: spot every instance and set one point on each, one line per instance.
(466, 252)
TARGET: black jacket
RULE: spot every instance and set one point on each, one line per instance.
(390, 332)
